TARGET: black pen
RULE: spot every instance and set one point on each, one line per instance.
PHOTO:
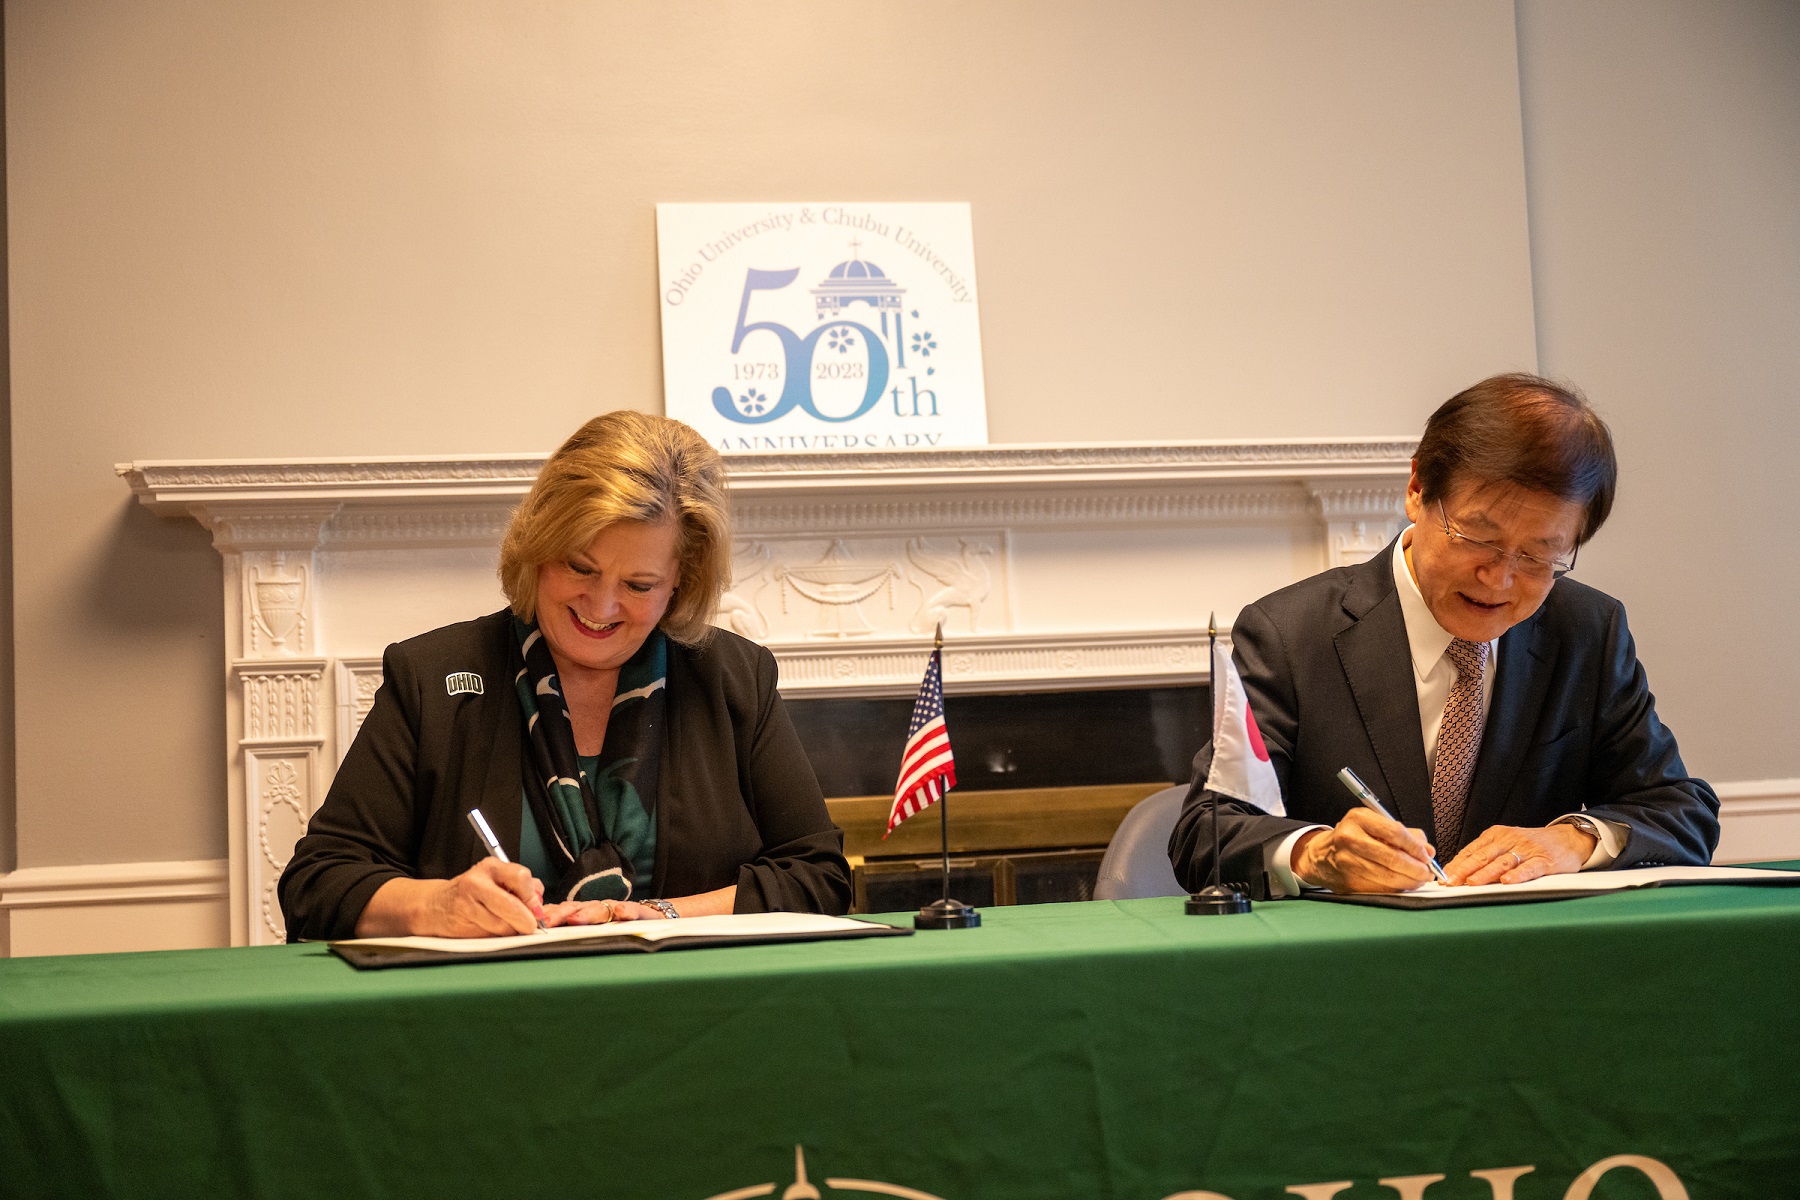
(491, 842)
(1361, 791)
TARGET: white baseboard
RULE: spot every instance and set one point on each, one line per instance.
(185, 905)
(1759, 820)
(92, 908)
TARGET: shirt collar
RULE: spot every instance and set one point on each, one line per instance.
(1428, 639)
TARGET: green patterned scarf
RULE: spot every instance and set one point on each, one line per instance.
(601, 829)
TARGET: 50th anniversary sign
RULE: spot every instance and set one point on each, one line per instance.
(799, 327)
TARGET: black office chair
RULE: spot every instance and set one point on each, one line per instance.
(1136, 865)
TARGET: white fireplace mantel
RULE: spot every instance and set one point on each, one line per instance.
(386, 502)
(1050, 567)
(373, 479)
(1064, 513)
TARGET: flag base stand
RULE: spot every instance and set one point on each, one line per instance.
(947, 914)
(1217, 901)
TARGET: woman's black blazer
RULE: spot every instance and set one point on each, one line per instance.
(737, 802)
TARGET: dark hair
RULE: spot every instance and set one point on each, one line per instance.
(1523, 430)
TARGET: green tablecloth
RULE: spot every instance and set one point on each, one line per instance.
(1093, 1050)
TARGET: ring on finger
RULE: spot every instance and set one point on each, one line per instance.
(1517, 861)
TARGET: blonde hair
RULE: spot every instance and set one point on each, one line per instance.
(628, 466)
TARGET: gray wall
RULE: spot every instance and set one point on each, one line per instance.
(1663, 154)
(338, 228)
(9, 820)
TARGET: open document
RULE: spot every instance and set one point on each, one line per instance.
(617, 937)
(1563, 887)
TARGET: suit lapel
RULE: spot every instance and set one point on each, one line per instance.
(502, 792)
(1526, 653)
(1377, 662)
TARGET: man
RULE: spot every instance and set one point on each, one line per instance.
(1496, 706)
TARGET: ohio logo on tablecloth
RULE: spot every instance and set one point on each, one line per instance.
(1500, 1183)
(820, 327)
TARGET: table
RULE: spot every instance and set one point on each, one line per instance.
(1083, 1050)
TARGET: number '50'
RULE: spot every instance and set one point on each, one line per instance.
(796, 387)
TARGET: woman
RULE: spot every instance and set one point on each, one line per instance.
(632, 760)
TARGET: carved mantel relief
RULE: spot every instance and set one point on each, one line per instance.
(836, 586)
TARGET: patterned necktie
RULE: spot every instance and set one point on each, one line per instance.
(1459, 739)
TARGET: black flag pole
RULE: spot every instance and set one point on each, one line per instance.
(944, 834)
(937, 647)
(945, 913)
(1213, 900)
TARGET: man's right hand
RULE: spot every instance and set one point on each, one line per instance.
(1366, 852)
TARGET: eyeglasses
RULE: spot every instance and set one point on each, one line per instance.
(1483, 553)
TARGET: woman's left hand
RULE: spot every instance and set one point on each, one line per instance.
(597, 912)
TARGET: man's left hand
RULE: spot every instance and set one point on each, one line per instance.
(1510, 854)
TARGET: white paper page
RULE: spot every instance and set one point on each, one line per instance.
(487, 945)
(1611, 881)
(744, 925)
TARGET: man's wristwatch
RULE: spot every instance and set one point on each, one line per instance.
(1591, 827)
(1585, 824)
(661, 906)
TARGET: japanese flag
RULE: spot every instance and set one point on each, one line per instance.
(1240, 764)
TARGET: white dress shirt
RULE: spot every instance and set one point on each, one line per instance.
(1433, 676)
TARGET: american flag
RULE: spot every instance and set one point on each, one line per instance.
(927, 769)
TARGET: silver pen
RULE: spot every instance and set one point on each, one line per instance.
(491, 842)
(1361, 791)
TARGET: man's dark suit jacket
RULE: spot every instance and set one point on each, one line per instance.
(737, 801)
(1571, 727)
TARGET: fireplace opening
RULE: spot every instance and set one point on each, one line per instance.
(1043, 780)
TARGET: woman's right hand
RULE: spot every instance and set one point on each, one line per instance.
(490, 899)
